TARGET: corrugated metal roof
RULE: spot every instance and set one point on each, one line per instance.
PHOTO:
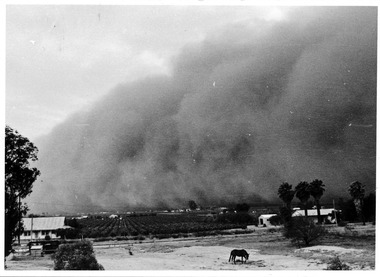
(44, 223)
(313, 212)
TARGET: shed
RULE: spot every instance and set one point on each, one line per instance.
(264, 220)
(36, 250)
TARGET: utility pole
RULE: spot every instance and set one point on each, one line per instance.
(31, 229)
(336, 217)
(19, 218)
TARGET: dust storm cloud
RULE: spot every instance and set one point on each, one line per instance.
(254, 104)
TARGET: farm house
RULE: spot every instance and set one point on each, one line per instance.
(39, 227)
(327, 214)
(264, 220)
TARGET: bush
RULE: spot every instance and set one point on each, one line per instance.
(336, 264)
(276, 220)
(342, 223)
(68, 233)
(76, 256)
(302, 229)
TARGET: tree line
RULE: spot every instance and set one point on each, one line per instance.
(304, 190)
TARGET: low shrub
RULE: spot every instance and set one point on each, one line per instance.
(76, 256)
(336, 264)
(342, 223)
(301, 229)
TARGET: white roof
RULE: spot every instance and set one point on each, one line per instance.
(267, 215)
(313, 212)
(44, 223)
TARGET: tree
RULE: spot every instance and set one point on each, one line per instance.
(369, 207)
(276, 220)
(303, 193)
(286, 194)
(242, 208)
(19, 178)
(357, 192)
(76, 256)
(192, 205)
(316, 189)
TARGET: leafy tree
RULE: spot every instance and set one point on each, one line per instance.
(357, 192)
(276, 220)
(286, 216)
(76, 256)
(244, 208)
(369, 207)
(316, 189)
(303, 194)
(68, 233)
(286, 194)
(19, 178)
(192, 205)
(348, 210)
(72, 222)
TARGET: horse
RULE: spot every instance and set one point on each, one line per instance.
(240, 253)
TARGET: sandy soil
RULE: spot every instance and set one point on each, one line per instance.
(213, 254)
(268, 251)
(197, 258)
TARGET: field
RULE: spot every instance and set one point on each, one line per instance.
(267, 247)
(158, 226)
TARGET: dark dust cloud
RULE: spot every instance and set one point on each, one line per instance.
(252, 105)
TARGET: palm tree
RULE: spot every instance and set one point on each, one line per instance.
(303, 193)
(316, 190)
(357, 192)
(286, 194)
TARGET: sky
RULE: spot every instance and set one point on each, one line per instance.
(61, 59)
(151, 106)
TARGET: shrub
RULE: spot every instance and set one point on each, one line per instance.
(275, 220)
(336, 264)
(342, 223)
(68, 233)
(76, 256)
(302, 229)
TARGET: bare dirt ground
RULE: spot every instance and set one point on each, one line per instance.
(268, 251)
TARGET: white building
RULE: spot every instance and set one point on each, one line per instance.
(326, 214)
(264, 220)
(39, 227)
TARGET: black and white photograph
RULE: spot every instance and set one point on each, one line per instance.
(204, 137)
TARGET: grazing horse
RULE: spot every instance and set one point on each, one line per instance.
(240, 253)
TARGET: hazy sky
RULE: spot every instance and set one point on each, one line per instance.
(60, 59)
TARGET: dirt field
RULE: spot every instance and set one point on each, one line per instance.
(268, 251)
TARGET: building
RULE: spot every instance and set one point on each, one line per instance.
(40, 227)
(328, 215)
(264, 220)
